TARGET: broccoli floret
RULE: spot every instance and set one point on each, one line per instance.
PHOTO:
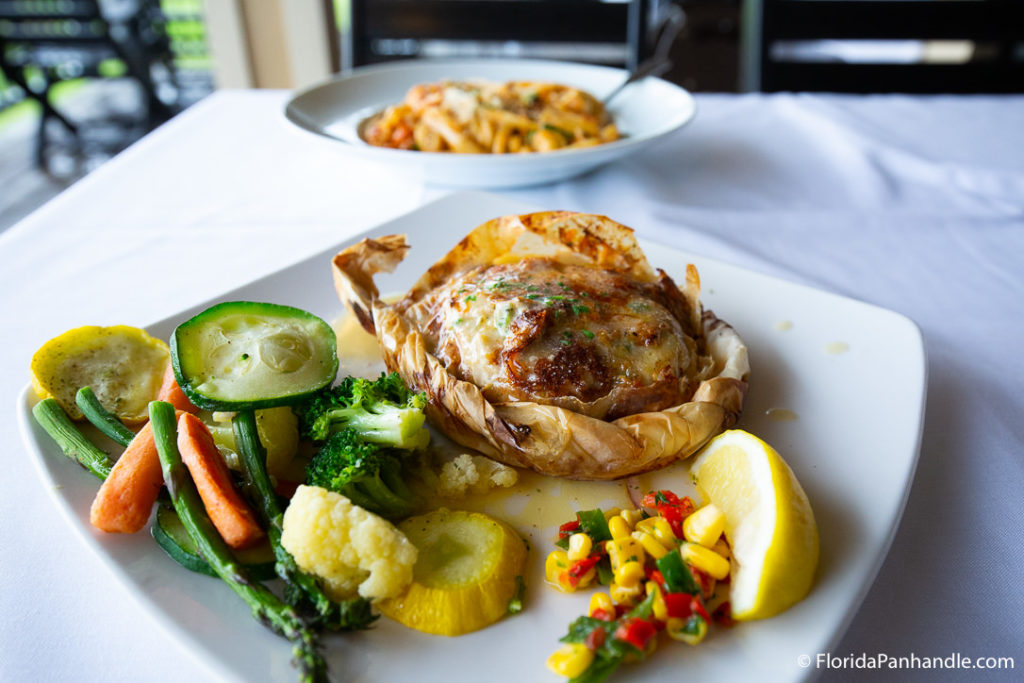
(383, 411)
(367, 474)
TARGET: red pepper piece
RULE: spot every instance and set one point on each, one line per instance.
(569, 528)
(637, 632)
(678, 605)
(687, 506)
(581, 567)
(670, 506)
(657, 498)
(697, 606)
(604, 615)
(655, 576)
(595, 639)
(707, 583)
(674, 516)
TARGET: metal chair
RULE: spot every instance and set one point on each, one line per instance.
(44, 42)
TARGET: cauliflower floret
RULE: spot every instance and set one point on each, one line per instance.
(351, 549)
(473, 473)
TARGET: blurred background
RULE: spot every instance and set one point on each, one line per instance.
(83, 79)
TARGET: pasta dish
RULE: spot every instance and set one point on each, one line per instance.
(474, 117)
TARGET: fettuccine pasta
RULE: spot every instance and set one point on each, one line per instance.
(479, 117)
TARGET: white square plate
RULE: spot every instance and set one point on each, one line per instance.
(853, 445)
(644, 112)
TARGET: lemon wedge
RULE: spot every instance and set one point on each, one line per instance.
(768, 522)
(464, 576)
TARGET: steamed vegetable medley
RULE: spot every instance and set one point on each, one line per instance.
(261, 468)
(662, 565)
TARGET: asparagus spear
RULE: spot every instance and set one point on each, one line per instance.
(101, 418)
(266, 607)
(52, 418)
(345, 615)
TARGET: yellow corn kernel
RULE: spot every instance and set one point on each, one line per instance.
(570, 660)
(598, 601)
(611, 512)
(629, 574)
(645, 525)
(580, 546)
(555, 566)
(662, 531)
(675, 630)
(705, 559)
(622, 550)
(618, 527)
(722, 548)
(658, 605)
(585, 580)
(557, 560)
(631, 517)
(651, 545)
(704, 526)
(625, 595)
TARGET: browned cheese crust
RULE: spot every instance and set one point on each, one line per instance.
(546, 341)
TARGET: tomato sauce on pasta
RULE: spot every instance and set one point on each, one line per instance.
(479, 117)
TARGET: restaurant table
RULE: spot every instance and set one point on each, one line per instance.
(915, 204)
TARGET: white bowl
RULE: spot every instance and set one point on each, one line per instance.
(644, 112)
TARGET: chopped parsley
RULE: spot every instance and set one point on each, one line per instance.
(471, 297)
(507, 317)
(579, 309)
(561, 131)
(515, 605)
(587, 333)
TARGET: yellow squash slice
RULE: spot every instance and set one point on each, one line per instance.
(464, 576)
(123, 365)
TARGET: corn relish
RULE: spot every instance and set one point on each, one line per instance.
(662, 565)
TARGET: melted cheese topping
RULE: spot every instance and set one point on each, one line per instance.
(588, 339)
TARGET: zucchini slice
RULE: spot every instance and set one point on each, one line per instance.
(170, 534)
(241, 355)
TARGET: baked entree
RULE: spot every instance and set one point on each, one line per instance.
(547, 341)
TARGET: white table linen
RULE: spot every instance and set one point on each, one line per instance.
(912, 203)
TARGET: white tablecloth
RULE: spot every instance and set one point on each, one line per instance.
(914, 204)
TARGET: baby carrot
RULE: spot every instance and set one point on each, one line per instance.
(172, 393)
(228, 512)
(125, 499)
